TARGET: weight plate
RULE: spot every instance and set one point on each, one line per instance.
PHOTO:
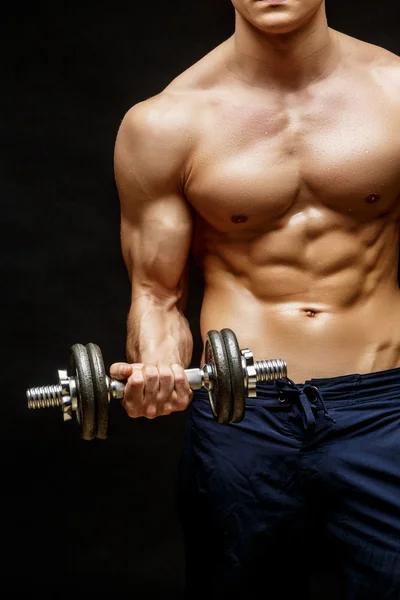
(236, 371)
(80, 367)
(221, 393)
(99, 379)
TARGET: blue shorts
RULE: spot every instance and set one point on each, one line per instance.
(309, 479)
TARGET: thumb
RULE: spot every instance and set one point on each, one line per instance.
(120, 370)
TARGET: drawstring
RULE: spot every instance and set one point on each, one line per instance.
(308, 394)
(318, 394)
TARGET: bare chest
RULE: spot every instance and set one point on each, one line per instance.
(254, 162)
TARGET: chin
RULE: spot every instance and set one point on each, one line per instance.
(276, 26)
(279, 19)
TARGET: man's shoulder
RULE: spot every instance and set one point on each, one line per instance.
(169, 121)
(381, 62)
(386, 68)
(154, 138)
(165, 112)
(178, 106)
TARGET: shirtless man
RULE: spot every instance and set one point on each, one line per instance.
(275, 160)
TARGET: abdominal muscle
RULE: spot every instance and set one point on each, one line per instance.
(327, 309)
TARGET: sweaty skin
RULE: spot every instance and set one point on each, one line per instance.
(298, 204)
(292, 197)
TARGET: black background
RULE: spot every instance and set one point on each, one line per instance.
(96, 517)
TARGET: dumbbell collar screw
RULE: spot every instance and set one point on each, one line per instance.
(208, 377)
(249, 373)
(69, 393)
(69, 390)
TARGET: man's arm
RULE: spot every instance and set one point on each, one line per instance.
(156, 231)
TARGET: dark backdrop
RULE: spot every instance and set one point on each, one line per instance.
(92, 517)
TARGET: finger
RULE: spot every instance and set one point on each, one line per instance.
(151, 411)
(169, 407)
(151, 384)
(134, 393)
(166, 379)
(183, 392)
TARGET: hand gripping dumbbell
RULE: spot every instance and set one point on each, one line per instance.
(229, 375)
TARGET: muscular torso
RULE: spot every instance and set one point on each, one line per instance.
(297, 203)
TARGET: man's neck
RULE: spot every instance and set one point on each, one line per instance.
(288, 60)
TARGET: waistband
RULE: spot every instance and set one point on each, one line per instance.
(356, 386)
(330, 391)
(324, 393)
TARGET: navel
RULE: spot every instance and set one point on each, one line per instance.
(372, 198)
(240, 218)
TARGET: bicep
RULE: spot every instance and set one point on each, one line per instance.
(155, 242)
(156, 219)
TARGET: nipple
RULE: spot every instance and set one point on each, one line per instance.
(240, 218)
(372, 198)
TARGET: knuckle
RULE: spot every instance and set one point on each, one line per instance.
(180, 379)
(151, 375)
(166, 379)
(182, 403)
(178, 371)
(131, 411)
(133, 396)
(151, 411)
(136, 378)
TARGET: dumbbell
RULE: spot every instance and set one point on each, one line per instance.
(229, 375)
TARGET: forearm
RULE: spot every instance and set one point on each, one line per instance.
(158, 333)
